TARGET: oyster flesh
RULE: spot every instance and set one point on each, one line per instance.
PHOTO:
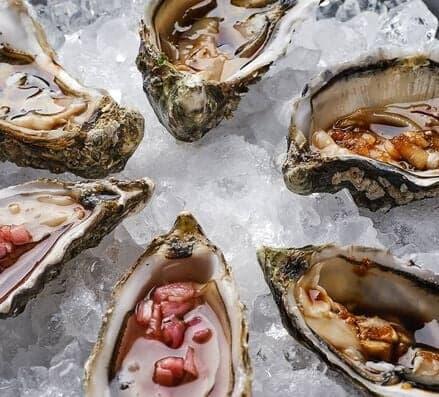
(372, 127)
(47, 118)
(197, 57)
(368, 314)
(175, 325)
(45, 223)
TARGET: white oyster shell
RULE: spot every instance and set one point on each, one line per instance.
(184, 253)
(47, 210)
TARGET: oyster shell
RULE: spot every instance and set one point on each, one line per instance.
(372, 127)
(47, 118)
(175, 324)
(45, 223)
(194, 75)
(368, 314)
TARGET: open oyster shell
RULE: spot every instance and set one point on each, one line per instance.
(194, 78)
(47, 118)
(45, 223)
(125, 365)
(368, 314)
(378, 93)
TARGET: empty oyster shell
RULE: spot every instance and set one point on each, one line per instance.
(368, 314)
(372, 127)
(197, 57)
(46, 222)
(47, 118)
(175, 325)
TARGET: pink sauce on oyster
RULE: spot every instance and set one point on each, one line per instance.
(173, 345)
(29, 227)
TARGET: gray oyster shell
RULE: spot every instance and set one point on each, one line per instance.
(372, 183)
(183, 252)
(107, 203)
(389, 283)
(189, 106)
(64, 126)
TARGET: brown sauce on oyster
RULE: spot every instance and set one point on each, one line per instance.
(31, 98)
(362, 332)
(173, 344)
(36, 94)
(406, 135)
(214, 38)
(30, 224)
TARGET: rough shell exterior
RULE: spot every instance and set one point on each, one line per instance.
(110, 200)
(185, 238)
(372, 183)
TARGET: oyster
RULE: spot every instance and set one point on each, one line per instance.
(368, 314)
(46, 222)
(175, 325)
(372, 127)
(47, 118)
(197, 57)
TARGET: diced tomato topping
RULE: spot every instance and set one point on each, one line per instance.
(189, 364)
(194, 321)
(174, 371)
(169, 371)
(144, 312)
(5, 249)
(11, 237)
(163, 315)
(5, 233)
(173, 333)
(20, 235)
(202, 336)
(178, 309)
(155, 323)
(177, 292)
(163, 318)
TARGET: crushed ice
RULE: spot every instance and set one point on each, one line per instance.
(231, 181)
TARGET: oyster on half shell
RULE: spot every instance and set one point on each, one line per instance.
(175, 325)
(47, 118)
(371, 126)
(368, 314)
(198, 57)
(45, 223)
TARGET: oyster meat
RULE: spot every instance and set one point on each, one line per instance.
(175, 325)
(372, 128)
(368, 314)
(197, 57)
(46, 222)
(47, 118)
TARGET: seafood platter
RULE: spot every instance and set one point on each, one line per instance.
(302, 136)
